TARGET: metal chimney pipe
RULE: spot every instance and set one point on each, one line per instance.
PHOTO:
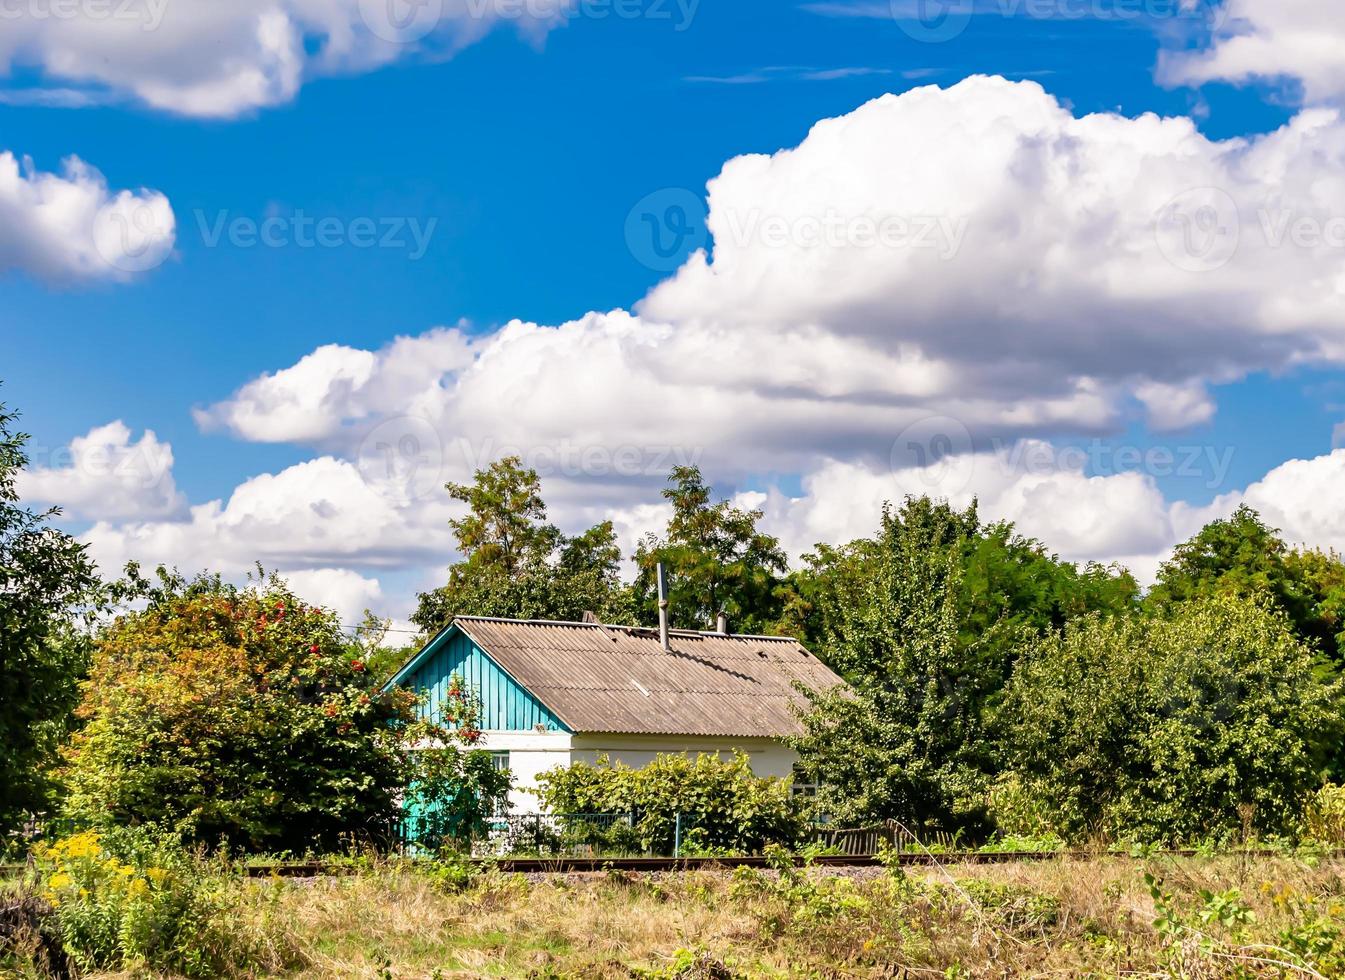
(663, 608)
(722, 624)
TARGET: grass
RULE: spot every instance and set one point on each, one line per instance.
(1213, 917)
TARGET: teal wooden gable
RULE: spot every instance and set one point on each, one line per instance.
(505, 704)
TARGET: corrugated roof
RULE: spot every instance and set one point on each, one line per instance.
(618, 679)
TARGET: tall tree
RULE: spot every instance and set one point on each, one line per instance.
(1242, 556)
(716, 558)
(45, 579)
(1005, 580)
(926, 621)
(1323, 576)
(506, 527)
(516, 564)
(900, 744)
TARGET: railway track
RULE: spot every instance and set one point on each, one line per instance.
(581, 864)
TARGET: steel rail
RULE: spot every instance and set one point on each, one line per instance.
(585, 864)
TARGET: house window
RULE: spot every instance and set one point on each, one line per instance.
(500, 760)
(803, 784)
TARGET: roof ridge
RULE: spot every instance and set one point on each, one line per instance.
(629, 628)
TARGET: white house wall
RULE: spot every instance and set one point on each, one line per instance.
(767, 756)
(533, 753)
(530, 755)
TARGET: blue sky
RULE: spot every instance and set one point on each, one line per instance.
(504, 177)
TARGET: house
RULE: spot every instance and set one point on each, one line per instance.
(556, 693)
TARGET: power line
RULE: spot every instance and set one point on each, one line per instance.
(372, 629)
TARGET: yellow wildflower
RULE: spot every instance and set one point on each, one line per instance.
(83, 845)
(79, 845)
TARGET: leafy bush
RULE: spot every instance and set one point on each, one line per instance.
(793, 901)
(137, 899)
(1213, 724)
(1325, 818)
(451, 871)
(724, 806)
(1011, 906)
(898, 745)
(243, 715)
(1216, 929)
(451, 793)
(236, 714)
(689, 964)
(925, 620)
(1019, 809)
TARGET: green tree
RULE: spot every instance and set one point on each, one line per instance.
(243, 714)
(1172, 730)
(505, 528)
(717, 560)
(925, 621)
(383, 651)
(515, 564)
(1006, 580)
(1323, 576)
(1242, 556)
(46, 580)
(898, 744)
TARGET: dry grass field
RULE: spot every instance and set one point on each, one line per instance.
(1213, 917)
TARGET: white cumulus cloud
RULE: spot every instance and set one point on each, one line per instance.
(920, 292)
(72, 227)
(976, 252)
(105, 475)
(345, 592)
(1301, 497)
(1027, 250)
(317, 514)
(1120, 517)
(221, 58)
(1270, 40)
(310, 401)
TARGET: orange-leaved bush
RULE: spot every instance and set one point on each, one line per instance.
(240, 715)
